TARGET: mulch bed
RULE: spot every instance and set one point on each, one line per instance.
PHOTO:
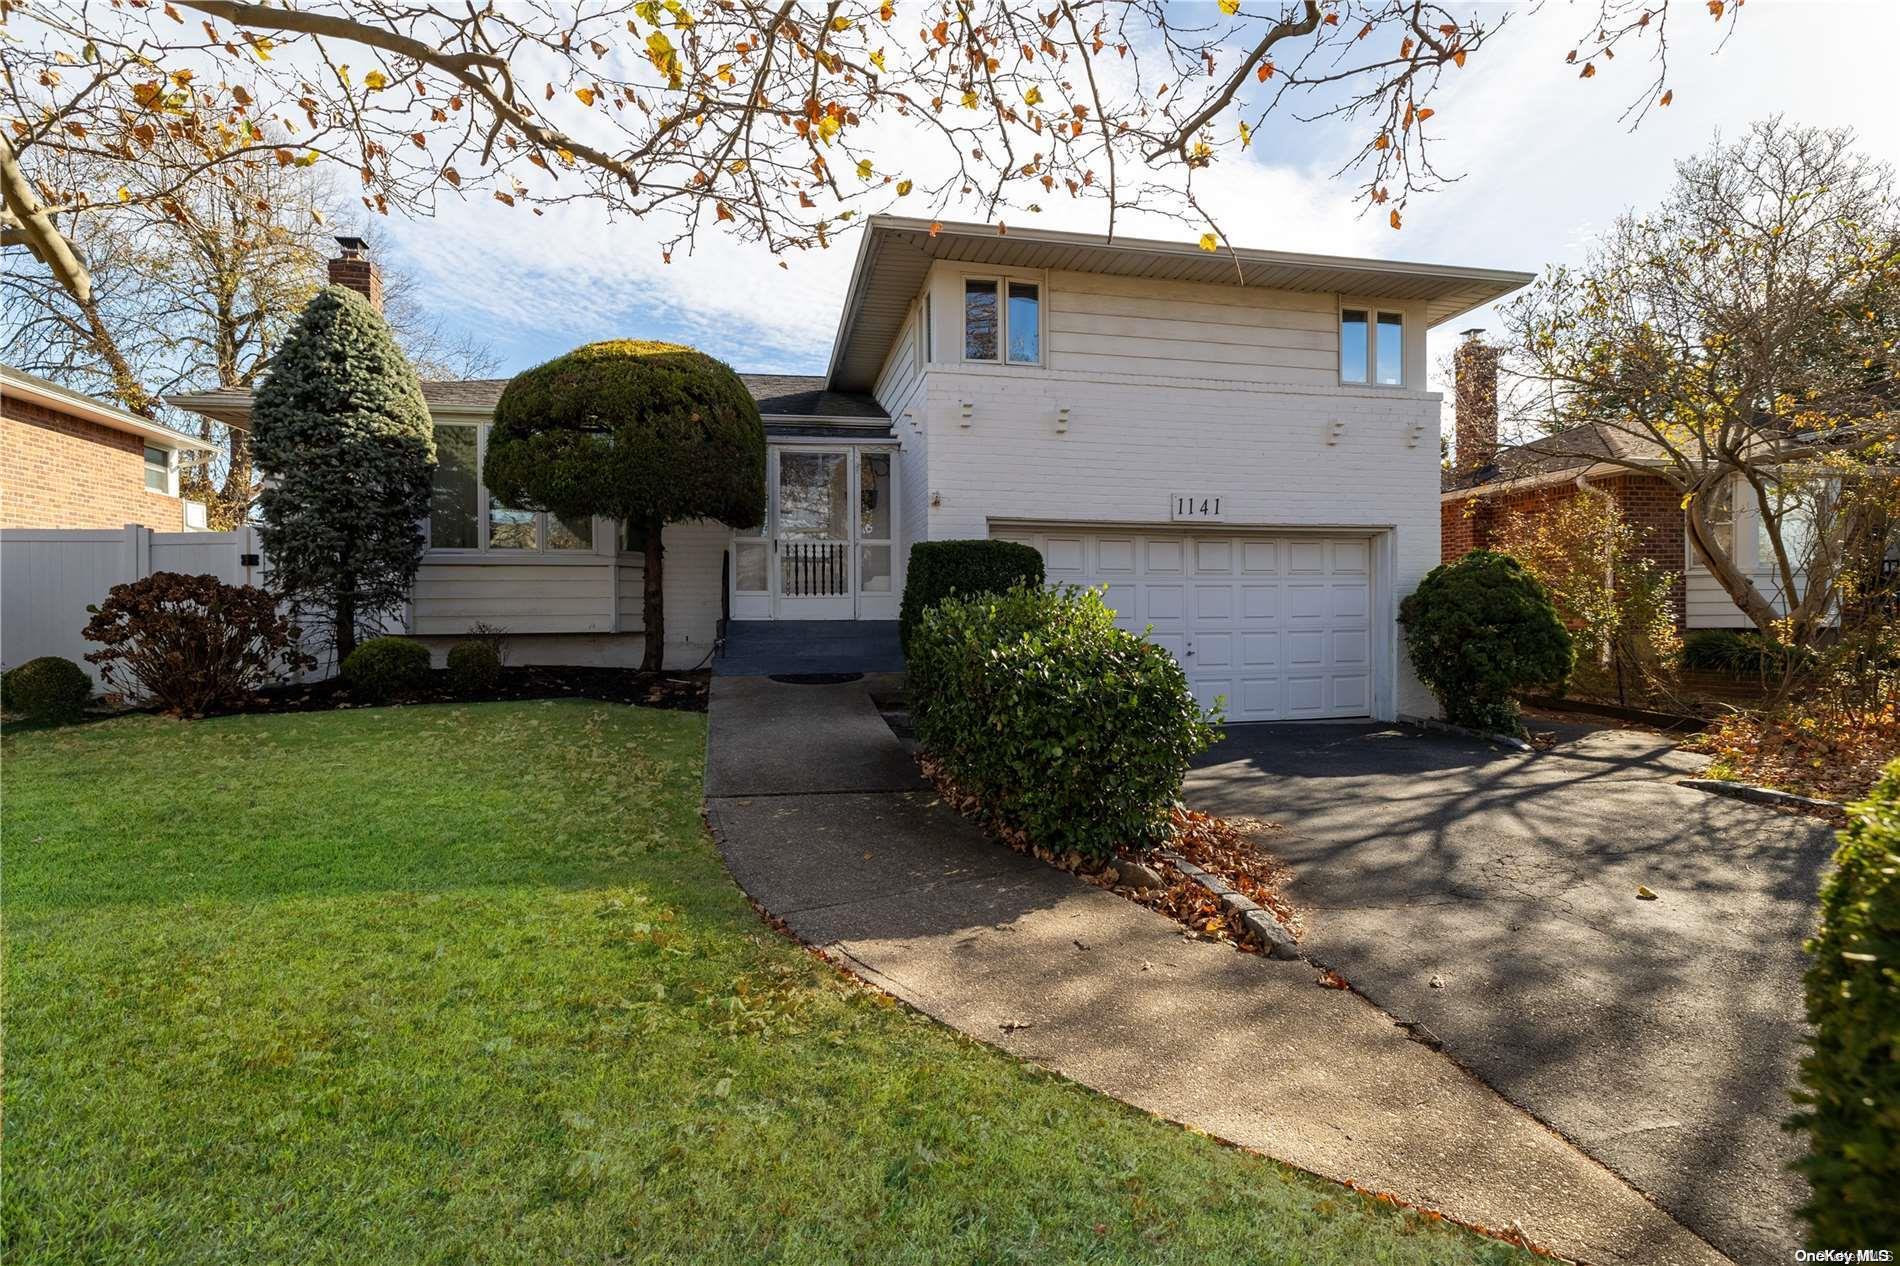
(1228, 848)
(679, 692)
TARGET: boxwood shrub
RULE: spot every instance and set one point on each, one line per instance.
(385, 668)
(47, 689)
(1065, 727)
(1851, 1075)
(1480, 628)
(474, 667)
(938, 569)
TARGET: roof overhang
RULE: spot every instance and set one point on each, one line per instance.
(1568, 475)
(895, 253)
(71, 403)
(231, 407)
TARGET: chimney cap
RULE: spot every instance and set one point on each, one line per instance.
(1471, 333)
(353, 247)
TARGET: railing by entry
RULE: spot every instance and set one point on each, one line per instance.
(810, 569)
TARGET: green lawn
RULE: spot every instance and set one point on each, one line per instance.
(469, 984)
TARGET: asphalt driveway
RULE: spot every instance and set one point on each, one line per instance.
(1492, 897)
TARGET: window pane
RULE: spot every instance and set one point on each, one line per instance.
(570, 533)
(509, 529)
(157, 470)
(1391, 349)
(874, 495)
(811, 496)
(1352, 346)
(1721, 516)
(748, 566)
(979, 320)
(452, 501)
(874, 568)
(633, 537)
(1025, 323)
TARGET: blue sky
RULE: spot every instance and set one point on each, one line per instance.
(1545, 165)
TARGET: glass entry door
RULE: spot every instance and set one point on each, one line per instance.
(812, 559)
(828, 547)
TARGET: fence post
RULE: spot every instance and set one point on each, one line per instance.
(138, 552)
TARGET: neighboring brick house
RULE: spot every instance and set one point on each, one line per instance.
(1488, 484)
(68, 461)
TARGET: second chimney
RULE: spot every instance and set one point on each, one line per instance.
(1475, 370)
(354, 269)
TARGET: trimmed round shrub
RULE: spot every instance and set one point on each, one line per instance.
(192, 644)
(474, 668)
(938, 569)
(48, 689)
(1851, 1075)
(1479, 629)
(387, 668)
(647, 433)
(1064, 727)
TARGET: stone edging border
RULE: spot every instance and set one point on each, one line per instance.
(1445, 727)
(1259, 920)
(1760, 795)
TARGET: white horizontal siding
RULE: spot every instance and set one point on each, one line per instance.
(520, 596)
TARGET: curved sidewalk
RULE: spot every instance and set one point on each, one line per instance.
(823, 820)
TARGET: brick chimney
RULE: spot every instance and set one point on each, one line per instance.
(1475, 369)
(354, 269)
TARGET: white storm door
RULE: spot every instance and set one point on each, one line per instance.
(811, 543)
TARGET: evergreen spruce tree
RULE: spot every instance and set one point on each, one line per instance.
(347, 449)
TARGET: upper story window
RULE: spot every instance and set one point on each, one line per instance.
(1371, 347)
(1002, 321)
(158, 470)
(463, 515)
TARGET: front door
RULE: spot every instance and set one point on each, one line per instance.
(812, 561)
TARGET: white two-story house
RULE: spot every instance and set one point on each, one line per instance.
(1239, 446)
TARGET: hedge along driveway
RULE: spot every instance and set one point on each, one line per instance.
(467, 983)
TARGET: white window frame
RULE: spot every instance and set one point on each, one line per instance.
(171, 469)
(1002, 282)
(542, 518)
(1373, 310)
(963, 321)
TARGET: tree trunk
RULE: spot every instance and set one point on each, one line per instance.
(653, 612)
(344, 619)
(1736, 583)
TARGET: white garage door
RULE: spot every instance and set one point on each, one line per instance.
(1278, 626)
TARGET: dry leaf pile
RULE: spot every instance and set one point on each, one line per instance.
(1225, 848)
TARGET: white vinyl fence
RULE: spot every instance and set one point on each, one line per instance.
(49, 576)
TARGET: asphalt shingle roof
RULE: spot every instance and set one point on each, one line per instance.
(1573, 448)
(789, 395)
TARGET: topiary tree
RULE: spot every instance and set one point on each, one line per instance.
(1851, 1076)
(647, 433)
(938, 569)
(343, 437)
(1479, 629)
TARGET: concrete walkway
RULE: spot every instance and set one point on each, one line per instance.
(805, 796)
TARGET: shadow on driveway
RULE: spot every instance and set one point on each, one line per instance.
(1493, 897)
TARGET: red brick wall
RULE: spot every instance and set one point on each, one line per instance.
(1646, 501)
(59, 471)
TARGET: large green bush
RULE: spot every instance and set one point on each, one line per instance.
(1742, 653)
(1851, 1076)
(386, 668)
(938, 569)
(1065, 727)
(48, 689)
(647, 433)
(1480, 628)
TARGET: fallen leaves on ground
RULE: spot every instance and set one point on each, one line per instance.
(1223, 847)
(1826, 750)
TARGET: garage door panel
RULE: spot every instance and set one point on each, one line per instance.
(1214, 650)
(1214, 557)
(1259, 603)
(1213, 604)
(1260, 558)
(1351, 602)
(1278, 627)
(1115, 555)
